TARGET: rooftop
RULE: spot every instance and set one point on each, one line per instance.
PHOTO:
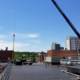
(39, 71)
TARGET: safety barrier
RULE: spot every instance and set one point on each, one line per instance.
(5, 71)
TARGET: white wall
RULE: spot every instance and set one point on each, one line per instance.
(68, 44)
(73, 44)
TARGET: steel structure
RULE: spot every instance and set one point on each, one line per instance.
(68, 21)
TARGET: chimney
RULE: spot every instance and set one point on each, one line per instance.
(6, 48)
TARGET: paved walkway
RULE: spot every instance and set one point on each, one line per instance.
(39, 72)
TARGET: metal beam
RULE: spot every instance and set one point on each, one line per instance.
(68, 21)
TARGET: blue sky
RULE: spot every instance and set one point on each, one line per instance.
(37, 23)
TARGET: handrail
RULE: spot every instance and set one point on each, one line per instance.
(73, 60)
(5, 71)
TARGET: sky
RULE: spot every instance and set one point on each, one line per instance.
(36, 23)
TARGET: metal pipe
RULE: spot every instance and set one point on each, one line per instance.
(68, 21)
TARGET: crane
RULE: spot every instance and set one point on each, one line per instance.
(69, 22)
(65, 17)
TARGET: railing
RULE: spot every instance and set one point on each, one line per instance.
(73, 60)
(5, 71)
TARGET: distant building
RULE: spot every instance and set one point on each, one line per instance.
(72, 43)
(62, 48)
(63, 54)
(56, 46)
(65, 48)
(4, 55)
(41, 57)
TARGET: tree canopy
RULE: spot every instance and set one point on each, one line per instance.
(25, 55)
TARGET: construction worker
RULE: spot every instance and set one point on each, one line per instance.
(8, 59)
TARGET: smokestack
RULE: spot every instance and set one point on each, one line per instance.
(6, 48)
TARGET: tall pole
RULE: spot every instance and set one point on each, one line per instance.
(13, 46)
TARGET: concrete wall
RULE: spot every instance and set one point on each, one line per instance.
(47, 59)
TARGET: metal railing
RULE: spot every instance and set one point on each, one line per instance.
(72, 60)
(5, 71)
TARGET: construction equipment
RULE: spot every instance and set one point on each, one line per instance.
(68, 21)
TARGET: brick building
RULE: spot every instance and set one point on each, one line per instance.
(63, 54)
(5, 54)
(41, 57)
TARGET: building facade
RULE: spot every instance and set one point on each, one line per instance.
(72, 43)
(63, 54)
(4, 55)
(55, 46)
(41, 57)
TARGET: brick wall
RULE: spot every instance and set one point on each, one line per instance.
(37, 59)
(5, 54)
(42, 57)
(63, 53)
(49, 53)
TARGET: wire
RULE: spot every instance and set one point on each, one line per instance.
(14, 17)
(14, 31)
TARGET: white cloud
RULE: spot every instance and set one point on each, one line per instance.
(20, 44)
(35, 41)
(1, 41)
(31, 35)
(4, 44)
(26, 35)
(3, 36)
(34, 46)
